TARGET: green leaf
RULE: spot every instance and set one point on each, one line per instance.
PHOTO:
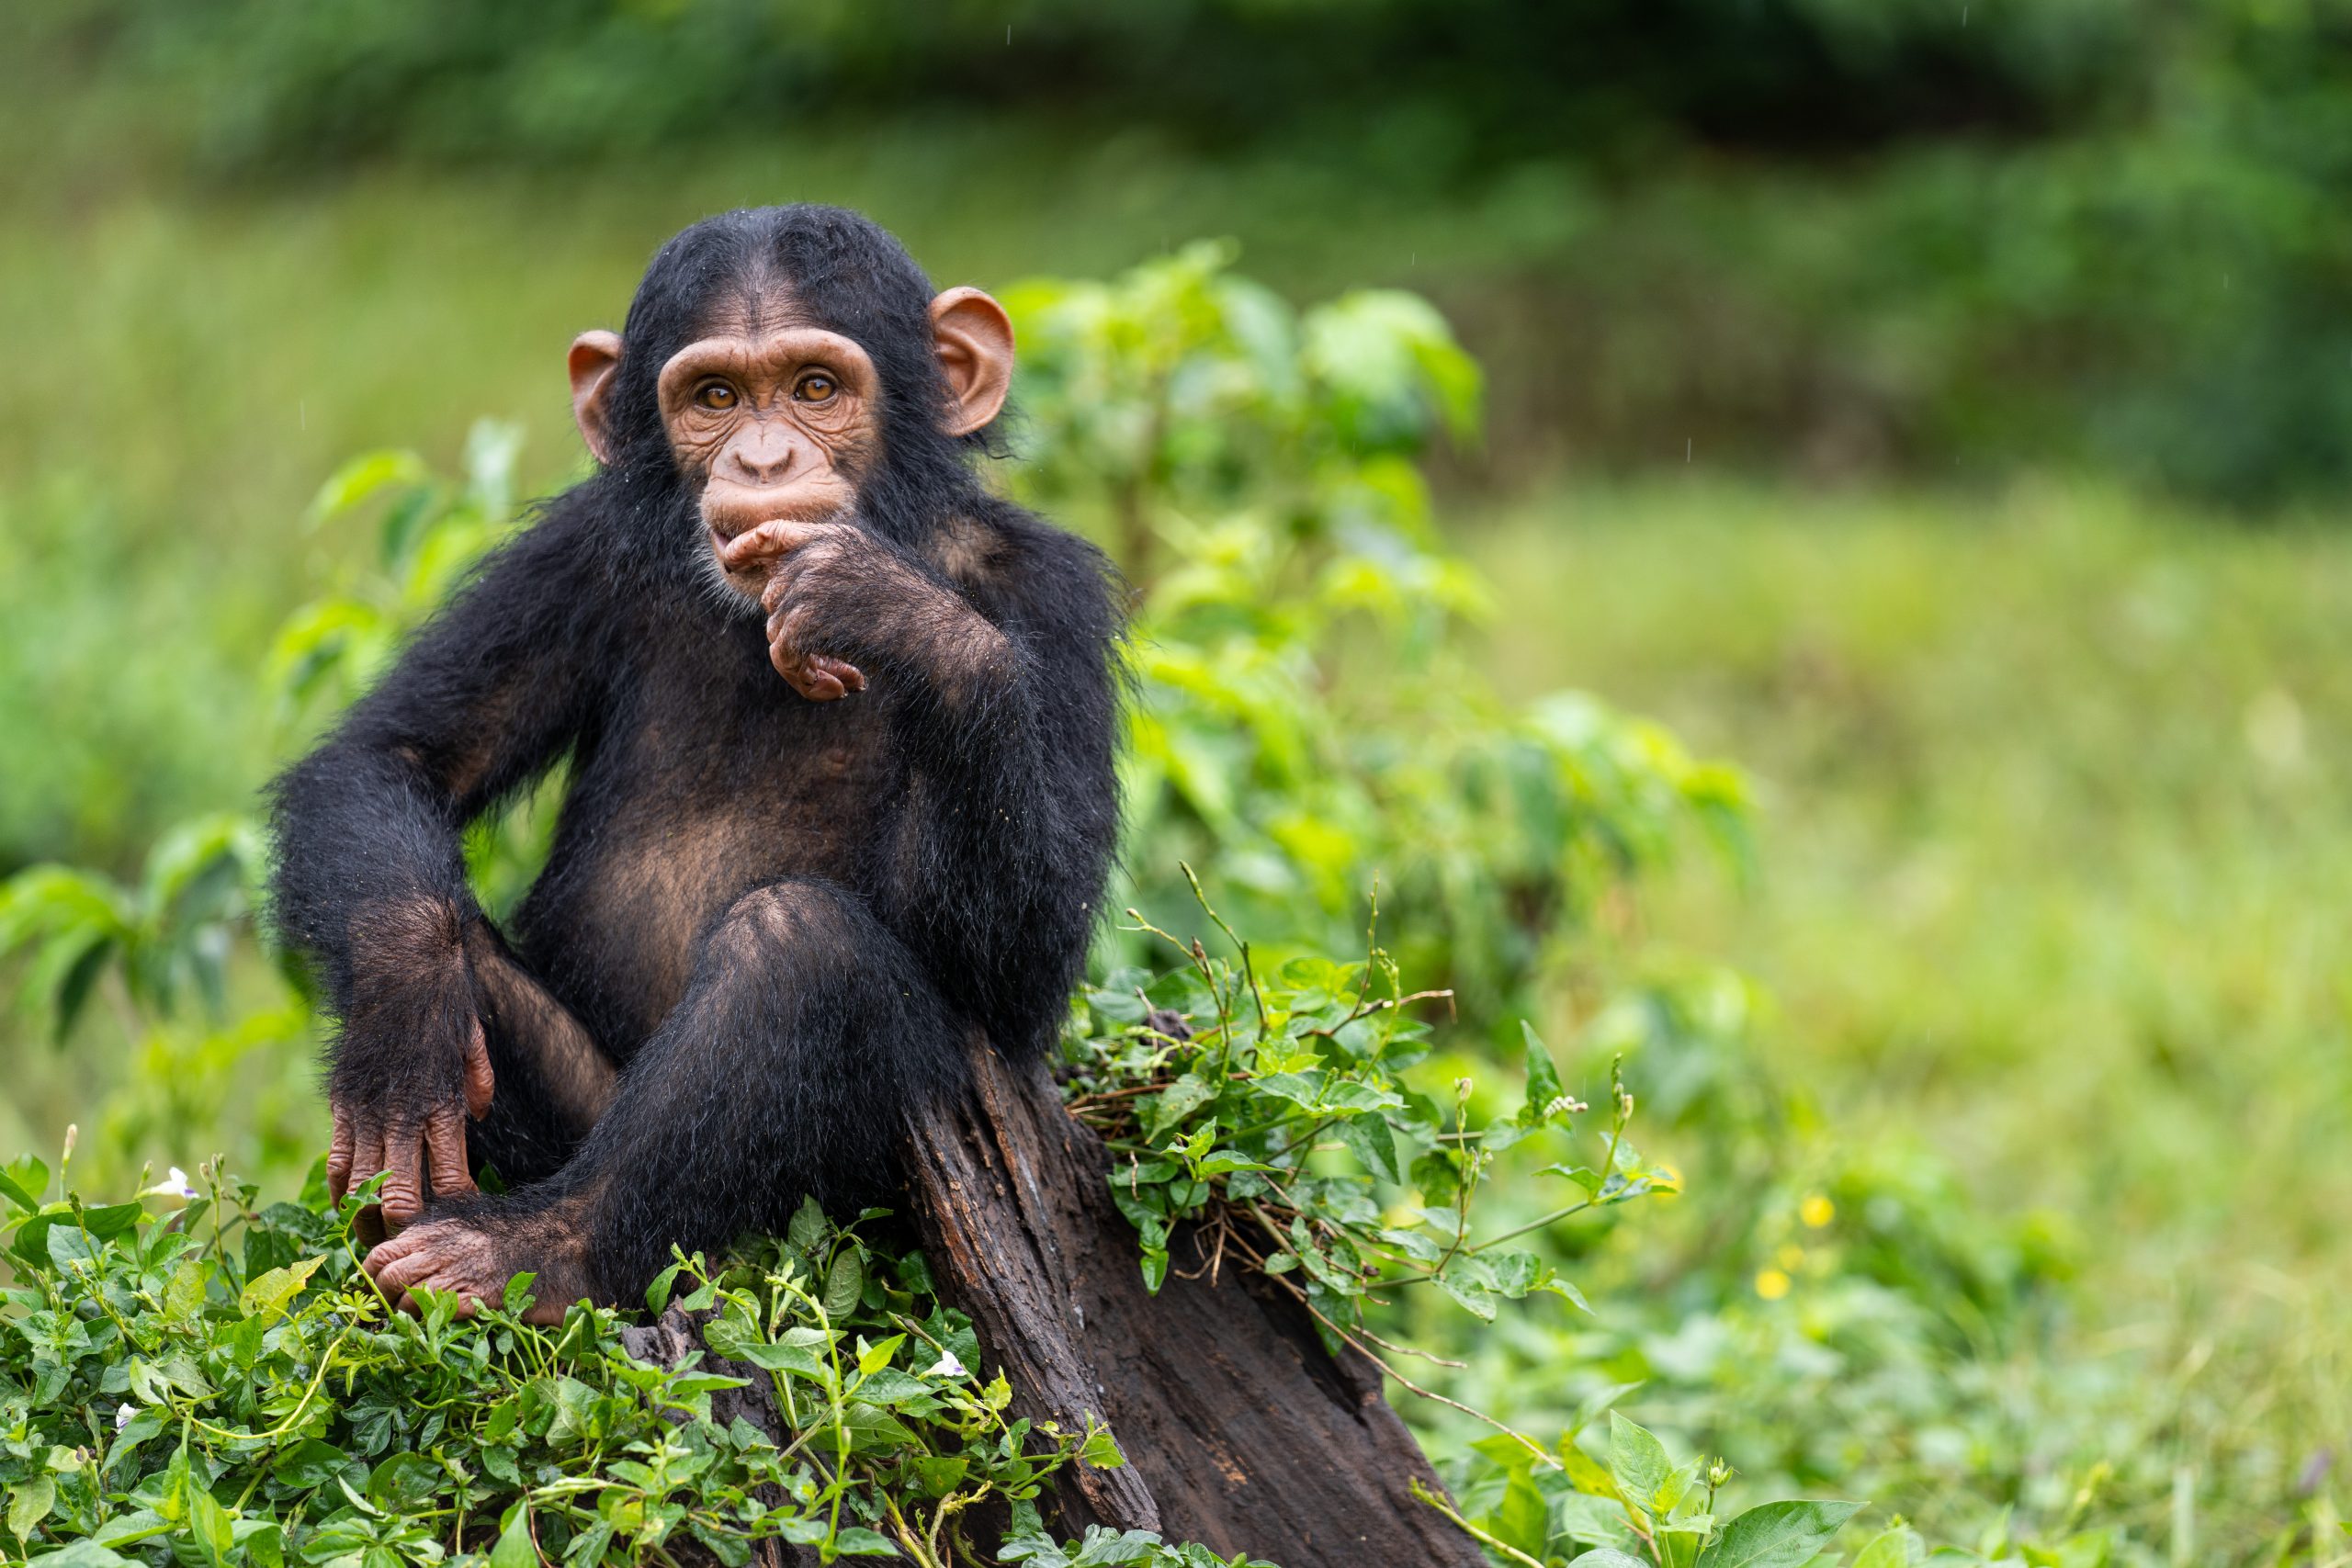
(313, 1463)
(1777, 1535)
(209, 1526)
(29, 1504)
(1581, 1516)
(1637, 1461)
(941, 1473)
(1102, 1450)
(1607, 1557)
(1172, 1104)
(514, 1549)
(657, 1294)
(74, 990)
(808, 1226)
(367, 475)
(184, 1292)
(857, 1541)
(843, 1283)
(267, 1296)
(404, 1482)
(1368, 1137)
(1474, 1296)
(24, 1180)
(1546, 1101)
(84, 1554)
(1521, 1520)
(797, 1359)
(1889, 1549)
(113, 1220)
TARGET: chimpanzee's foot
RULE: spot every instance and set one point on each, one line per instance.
(473, 1253)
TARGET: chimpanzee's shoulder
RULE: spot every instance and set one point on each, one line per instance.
(999, 551)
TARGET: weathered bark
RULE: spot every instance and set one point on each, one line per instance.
(1240, 1430)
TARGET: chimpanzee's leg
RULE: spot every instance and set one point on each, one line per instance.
(806, 1032)
(552, 1079)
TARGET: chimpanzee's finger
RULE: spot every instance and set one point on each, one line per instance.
(403, 1194)
(444, 1146)
(817, 685)
(366, 1147)
(850, 676)
(394, 1248)
(772, 540)
(339, 1155)
(482, 1084)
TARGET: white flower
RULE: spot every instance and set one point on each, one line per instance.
(123, 1413)
(948, 1366)
(174, 1185)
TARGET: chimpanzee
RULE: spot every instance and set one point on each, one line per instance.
(840, 725)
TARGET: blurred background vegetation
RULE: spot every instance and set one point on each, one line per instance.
(1943, 410)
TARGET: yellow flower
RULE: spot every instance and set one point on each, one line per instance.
(1771, 1284)
(1816, 1210)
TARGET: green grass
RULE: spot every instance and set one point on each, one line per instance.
(2054, 849)
(2057, 824)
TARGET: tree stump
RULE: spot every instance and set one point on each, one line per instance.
(1240, 1430)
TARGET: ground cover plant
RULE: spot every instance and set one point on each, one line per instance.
(220, 1383)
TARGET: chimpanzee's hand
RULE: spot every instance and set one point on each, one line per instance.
(412, 1064)
(832, 589)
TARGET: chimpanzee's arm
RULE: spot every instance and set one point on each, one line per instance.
(370, 881)
(1000, 682)
(997, 880)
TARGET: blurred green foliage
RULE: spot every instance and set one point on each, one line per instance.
(1258, 471)
(1819, 234)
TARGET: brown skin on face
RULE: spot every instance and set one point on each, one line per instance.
(777, 428)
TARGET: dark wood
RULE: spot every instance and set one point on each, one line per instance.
(1240, 1430)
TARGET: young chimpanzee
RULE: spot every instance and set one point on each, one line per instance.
(840, 725)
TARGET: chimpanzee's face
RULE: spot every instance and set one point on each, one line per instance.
(771, 418)
(767, 425)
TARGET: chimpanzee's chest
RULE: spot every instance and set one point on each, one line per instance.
(698, 793)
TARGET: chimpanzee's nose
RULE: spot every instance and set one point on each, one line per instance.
(764, 454)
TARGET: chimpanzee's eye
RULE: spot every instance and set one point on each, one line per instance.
(815, 388)
(715, 395)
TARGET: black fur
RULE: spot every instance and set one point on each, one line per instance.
(776, 918)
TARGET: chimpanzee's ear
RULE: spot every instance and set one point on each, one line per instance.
(593, 358)
(974, 340)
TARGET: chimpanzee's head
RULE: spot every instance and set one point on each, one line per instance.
(790, 362)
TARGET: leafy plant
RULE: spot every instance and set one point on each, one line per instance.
(1275, 1111)
(1310, 715)
(167, 933)
(220, 1383)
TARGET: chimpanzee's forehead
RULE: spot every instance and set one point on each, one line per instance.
(753, 304)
